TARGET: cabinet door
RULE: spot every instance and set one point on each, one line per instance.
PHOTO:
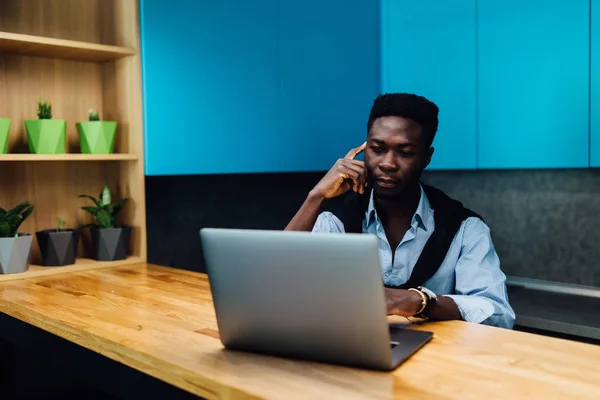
(236, 86)
(328, 79)
(428, 48)
(210, 86)
(595, 86)
(533, 83)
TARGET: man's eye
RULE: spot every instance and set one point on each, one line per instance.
(406, 153)
(377, 149)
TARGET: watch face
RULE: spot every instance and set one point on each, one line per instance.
(429, 293)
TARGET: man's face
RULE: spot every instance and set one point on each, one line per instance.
(397, 152)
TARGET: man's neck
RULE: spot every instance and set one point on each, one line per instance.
(401, 207)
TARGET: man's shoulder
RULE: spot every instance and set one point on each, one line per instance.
(348, 209)
(475, 225)
(472, 231)
(447, 205)
(349, 200)
(328, 222)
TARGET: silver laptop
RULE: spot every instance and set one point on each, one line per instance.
(310, 296)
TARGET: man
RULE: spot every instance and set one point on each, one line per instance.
(437, 257)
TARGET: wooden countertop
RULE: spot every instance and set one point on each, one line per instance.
(161, 321)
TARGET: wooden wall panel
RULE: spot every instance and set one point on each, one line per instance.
(72, 87)
(83, 20)
(53, 188)
(123, 103)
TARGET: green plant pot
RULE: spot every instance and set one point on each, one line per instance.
(97, 137)
(46, 136)
(4, 129)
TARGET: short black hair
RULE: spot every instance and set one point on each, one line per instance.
(406, 105)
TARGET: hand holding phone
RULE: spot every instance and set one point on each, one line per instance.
(347, 173)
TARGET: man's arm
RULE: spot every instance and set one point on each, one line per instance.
(444, 309)
(407, 303)
(305, 218)
(480, 285)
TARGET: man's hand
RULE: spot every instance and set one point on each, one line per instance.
(347, 173)
(402, 302)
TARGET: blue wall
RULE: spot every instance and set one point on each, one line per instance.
(236, 86)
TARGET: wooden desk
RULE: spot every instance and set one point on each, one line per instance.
(161, 321)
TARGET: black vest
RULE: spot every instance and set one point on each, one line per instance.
(351, 207)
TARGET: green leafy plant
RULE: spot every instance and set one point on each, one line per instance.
(93, 115)
(105, 212)
(11, 220)
(61, 224)
(44, 110)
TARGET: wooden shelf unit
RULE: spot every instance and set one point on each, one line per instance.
(39, 46)
(68, 157)
(78, 55)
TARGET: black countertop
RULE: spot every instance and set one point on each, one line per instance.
(556, 312)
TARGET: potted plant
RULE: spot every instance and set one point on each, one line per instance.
(110, 240)
(96, 136)
(4, 129)
(15, 247)
(46, 135)
(58, 245)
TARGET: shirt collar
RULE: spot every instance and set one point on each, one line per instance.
(420, 216)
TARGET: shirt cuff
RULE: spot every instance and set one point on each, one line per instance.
(473, 308)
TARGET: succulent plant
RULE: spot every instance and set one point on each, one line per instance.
(61, 224)
(11, 220)
(105, 211)
(44, 110)
(93, 115)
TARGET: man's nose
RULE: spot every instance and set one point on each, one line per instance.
(389, 162)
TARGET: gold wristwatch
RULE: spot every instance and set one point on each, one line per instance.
(428, 299)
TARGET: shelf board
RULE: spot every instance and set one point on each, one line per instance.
(39, 46)
(82, 264)
(67, 157)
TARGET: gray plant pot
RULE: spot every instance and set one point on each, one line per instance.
(15, 253)
(111, 244)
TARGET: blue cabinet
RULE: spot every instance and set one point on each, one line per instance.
(238, 86)
(281, 85)
(329, 71)
(210, 86)
(533, 92)
(595, 86)
(329, 77)
(429, 48)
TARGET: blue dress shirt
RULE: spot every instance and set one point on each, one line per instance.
(470, 274)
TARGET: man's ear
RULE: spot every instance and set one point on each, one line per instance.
(428, 157)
